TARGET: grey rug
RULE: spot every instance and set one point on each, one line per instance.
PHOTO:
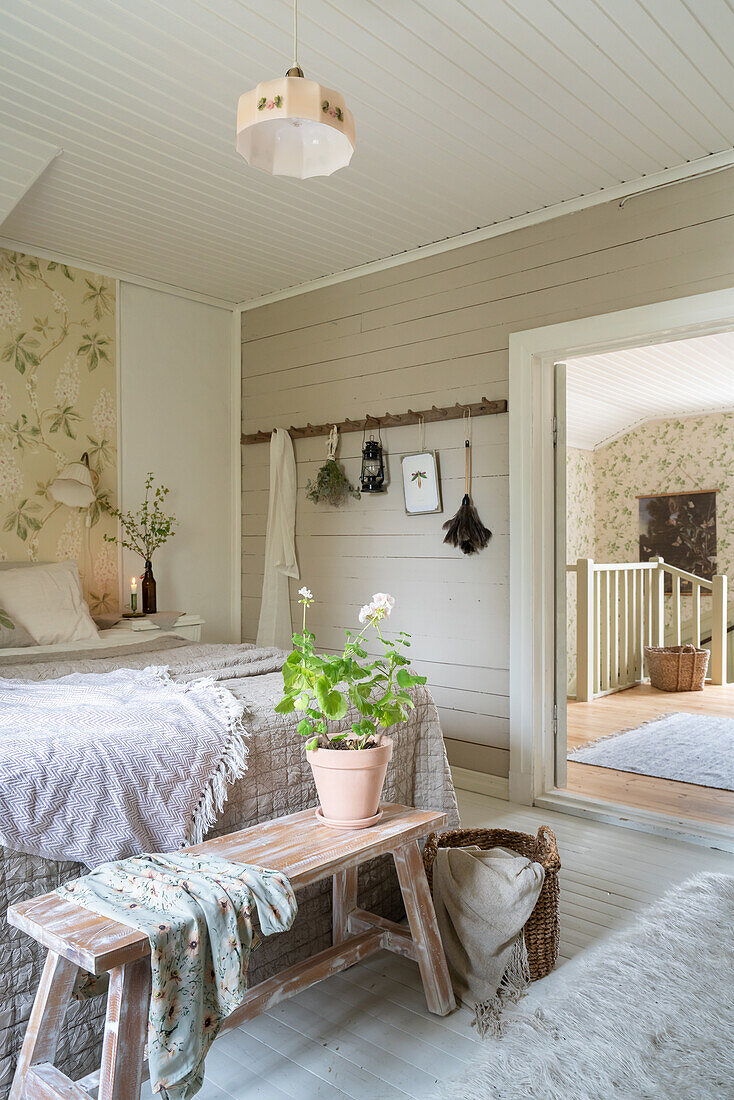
(646, 1014)
(690, 748)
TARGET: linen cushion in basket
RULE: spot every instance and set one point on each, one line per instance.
(47, 601)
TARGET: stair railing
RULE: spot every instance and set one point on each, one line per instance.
(620, 609)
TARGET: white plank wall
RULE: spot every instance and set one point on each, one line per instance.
(436, 331)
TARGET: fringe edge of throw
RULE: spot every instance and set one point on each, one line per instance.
(232, 763)
(618, 733)
(514, 984)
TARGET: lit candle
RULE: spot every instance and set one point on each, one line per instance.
(133, 593)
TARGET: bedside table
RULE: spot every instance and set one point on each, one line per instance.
(186, 626)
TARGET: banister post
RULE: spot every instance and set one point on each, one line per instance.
(719, 611)
(657, 581)
(585, 630)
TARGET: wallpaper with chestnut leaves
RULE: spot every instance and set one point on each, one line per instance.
(57, 400)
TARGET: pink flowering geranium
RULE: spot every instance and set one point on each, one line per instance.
(379, 608)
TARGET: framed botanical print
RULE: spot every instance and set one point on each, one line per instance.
(681, 528)
(421, 483)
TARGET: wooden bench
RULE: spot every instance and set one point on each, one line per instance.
(297, 845)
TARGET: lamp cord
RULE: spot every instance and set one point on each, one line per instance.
(295, 34)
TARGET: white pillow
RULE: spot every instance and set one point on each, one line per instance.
(47, 600)
(12, 634)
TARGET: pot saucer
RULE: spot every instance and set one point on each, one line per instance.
(360, 823)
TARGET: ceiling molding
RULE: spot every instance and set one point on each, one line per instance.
(705, 166)
(111, 273)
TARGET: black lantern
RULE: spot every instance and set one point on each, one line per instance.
(373, 467)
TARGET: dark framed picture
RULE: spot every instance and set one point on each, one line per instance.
(421, 483)
(681, 528)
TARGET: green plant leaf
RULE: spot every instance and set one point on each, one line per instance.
(313, 743)
(301, 703)
(332, 702)
(304, 727)
(286, 705)
(408, 679)
(388, 716)
(289, 675)
(333, 671)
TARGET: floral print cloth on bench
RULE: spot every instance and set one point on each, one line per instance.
(197, 913)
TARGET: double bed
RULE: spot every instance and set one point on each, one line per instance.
(277, 782)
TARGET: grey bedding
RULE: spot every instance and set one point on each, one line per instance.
(278, 782)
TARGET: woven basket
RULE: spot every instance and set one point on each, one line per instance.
(677, 667)
(542, 930)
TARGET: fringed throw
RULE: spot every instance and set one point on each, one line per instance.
(515, 980)
(483, 900)
(100, 766)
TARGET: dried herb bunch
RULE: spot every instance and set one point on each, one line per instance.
(331, 485)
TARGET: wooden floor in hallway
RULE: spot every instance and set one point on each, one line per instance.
(365, 1034)
(625, 710)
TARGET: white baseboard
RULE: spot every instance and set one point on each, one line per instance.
(480, 783)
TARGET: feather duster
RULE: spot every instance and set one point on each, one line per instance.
(466, 529)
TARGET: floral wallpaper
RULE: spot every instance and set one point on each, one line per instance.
(580, 514)
(57, 400)
(662, 456)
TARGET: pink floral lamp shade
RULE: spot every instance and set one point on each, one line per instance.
(295, 127)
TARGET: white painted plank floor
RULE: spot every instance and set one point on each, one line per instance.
(366, 1034)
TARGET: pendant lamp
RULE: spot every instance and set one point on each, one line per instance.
(294, 127)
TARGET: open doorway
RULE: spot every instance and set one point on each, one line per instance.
(645, 549)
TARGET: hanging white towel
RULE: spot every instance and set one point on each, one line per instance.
(275, 626)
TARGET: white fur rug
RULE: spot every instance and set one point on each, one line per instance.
(692, 748)
(647, 1014)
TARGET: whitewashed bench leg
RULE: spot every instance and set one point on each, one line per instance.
(126, 1022)
(47, 1016)
(343, 902)
(424, 929)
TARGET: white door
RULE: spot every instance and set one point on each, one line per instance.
(561, 681)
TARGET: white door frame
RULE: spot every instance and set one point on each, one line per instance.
(532, 519)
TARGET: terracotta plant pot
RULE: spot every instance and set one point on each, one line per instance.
(349, 783)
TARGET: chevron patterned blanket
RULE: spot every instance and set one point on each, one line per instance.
(78, 752)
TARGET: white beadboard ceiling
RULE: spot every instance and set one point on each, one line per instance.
(607, 395)
(24, 158)
(468, 112)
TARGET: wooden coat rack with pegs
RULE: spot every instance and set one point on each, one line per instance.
(389, 420)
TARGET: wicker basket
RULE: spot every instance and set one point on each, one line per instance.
(543, 928)
(677, 667)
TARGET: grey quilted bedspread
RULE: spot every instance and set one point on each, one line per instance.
(278, 782)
